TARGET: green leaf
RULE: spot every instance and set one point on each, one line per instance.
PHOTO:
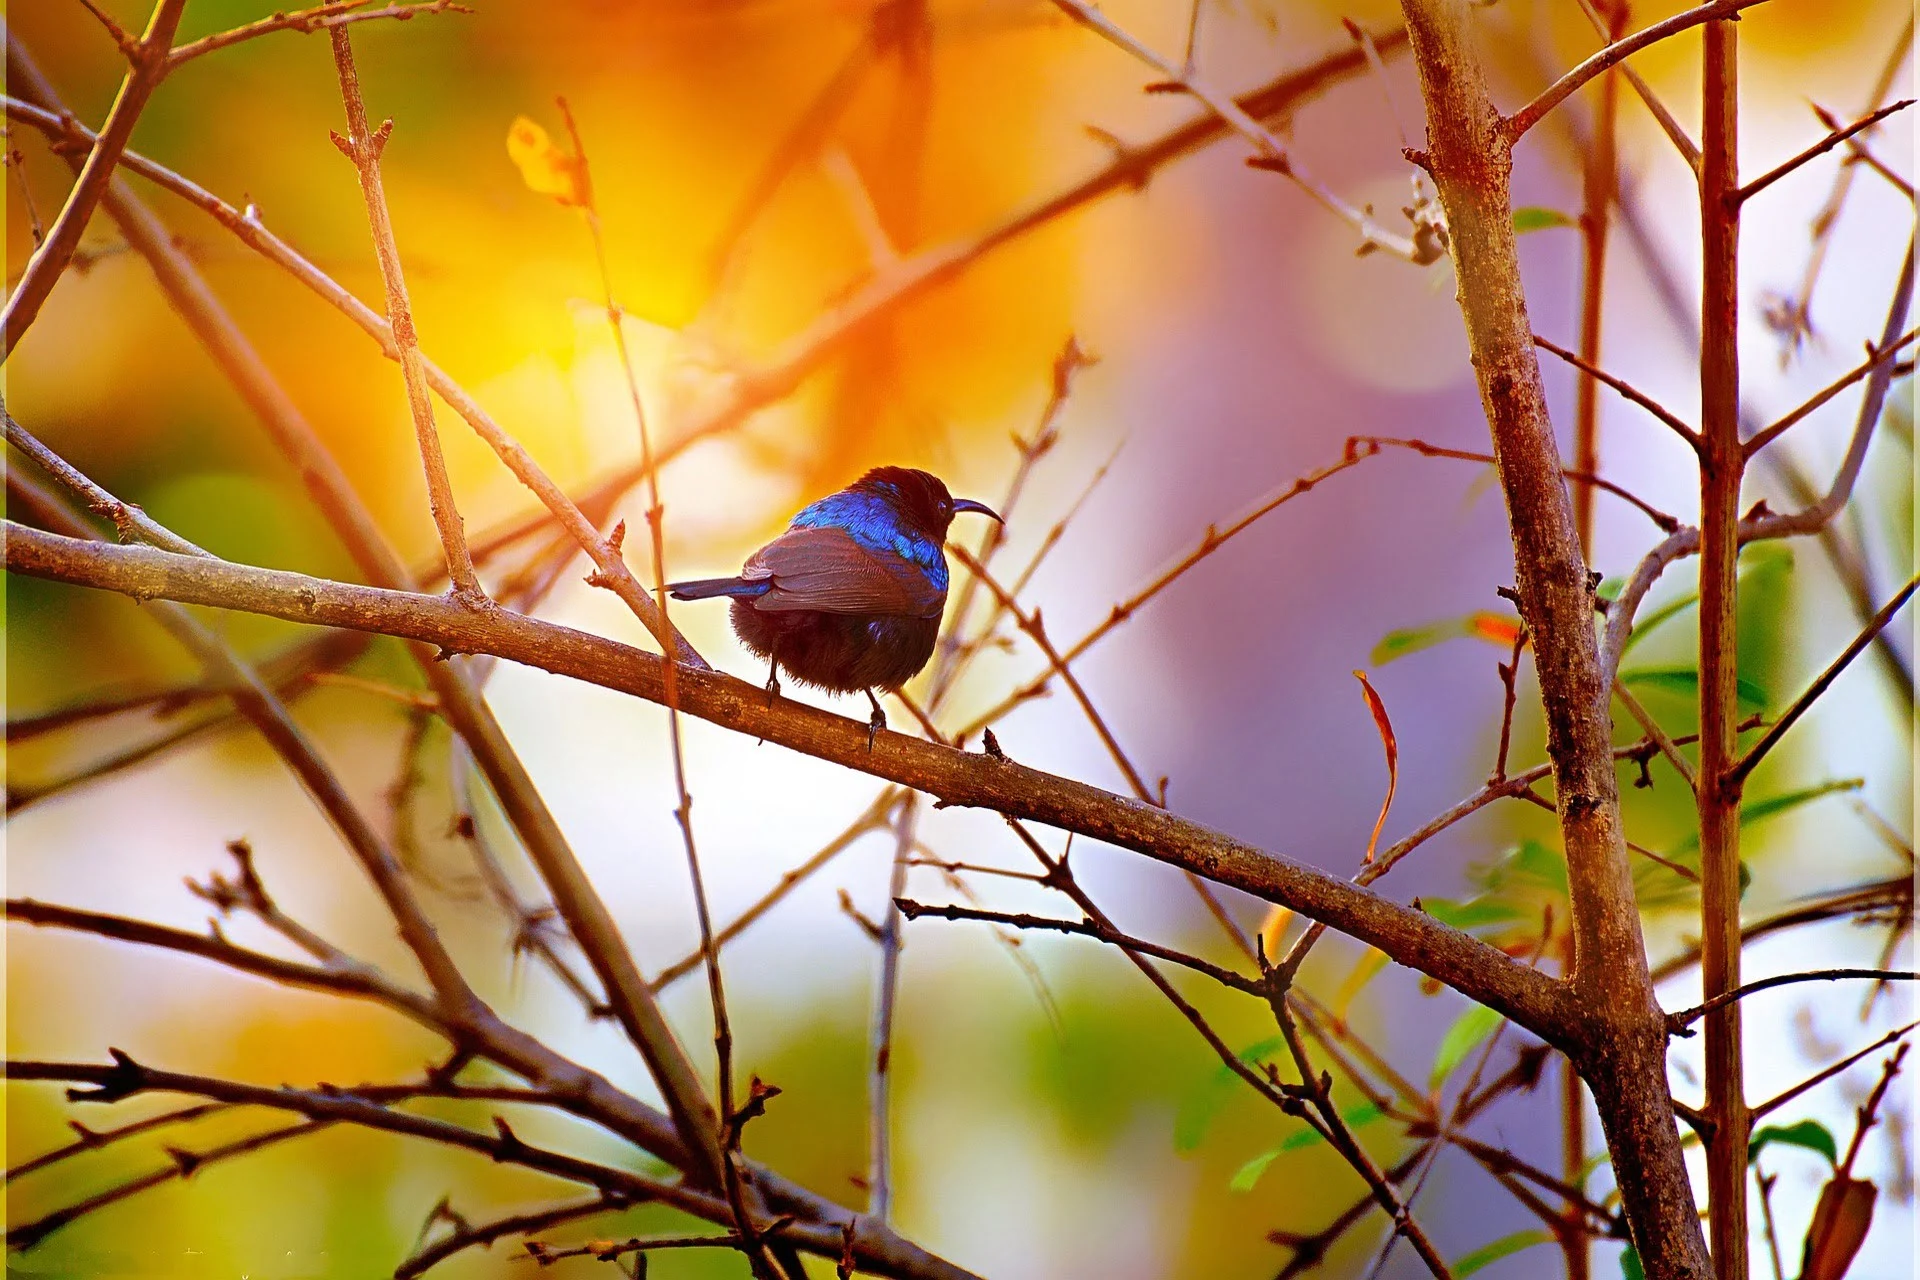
(1250, 1173)
(1469, 1030)
(1535, 218)
(1492, 1252)
(1198, 1110)
(1610, 589)
(1684, 682)
(1810, 1134)
(1630, 1268)
(1665, 613)
(1471, 914)
(1761, 810)
(1398, 644)
(1358, 1116)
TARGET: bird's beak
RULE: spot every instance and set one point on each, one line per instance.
(968, 504)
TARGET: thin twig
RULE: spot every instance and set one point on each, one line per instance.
(147, 66)
(1688, 149)
(1875, 358)
(1086, 928)
(1626, 389)
(1811, 694)
(363, 146)
(880, 1035)
(94, 1139)
(1677, 1023)
(1681, 765)
(716, 1149)
(339, 13)
(483, 1234)
(1560, 90)
(1827, 1073)
(1270, 152)
(1834, 138)
(876, 816)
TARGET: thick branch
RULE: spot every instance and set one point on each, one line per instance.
(1469, 153)
(1480, 971)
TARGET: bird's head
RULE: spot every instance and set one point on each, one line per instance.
(921, 500)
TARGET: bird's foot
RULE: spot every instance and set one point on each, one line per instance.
(773, 687)
(875, 722)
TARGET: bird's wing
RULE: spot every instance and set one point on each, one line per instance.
(825, 570)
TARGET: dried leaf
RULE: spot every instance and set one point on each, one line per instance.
(1840, 1223)
(1385, 726)
(544, 167)
(1501, 628)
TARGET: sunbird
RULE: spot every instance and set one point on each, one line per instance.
(850, 596)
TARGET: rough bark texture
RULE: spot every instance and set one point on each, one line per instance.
(1624, 1053)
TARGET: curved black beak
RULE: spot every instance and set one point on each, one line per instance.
(968, 504)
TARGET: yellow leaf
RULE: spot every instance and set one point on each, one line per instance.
(1273, 930)
(544, 167)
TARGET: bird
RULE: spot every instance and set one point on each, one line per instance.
(849, 598)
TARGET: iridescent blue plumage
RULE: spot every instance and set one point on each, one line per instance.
(873, 520)
(850, 596)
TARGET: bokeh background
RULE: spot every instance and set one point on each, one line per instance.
(1072, 1130)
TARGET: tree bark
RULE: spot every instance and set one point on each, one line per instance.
(1622, 1054)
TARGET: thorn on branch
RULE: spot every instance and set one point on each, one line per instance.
(510, 1148)
(867, 926)
(126, 1079)
(759, 1093)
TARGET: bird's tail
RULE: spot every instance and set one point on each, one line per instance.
(707, 588)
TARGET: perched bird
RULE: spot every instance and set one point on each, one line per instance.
(850, 596)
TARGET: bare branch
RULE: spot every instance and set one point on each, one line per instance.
(1270, 152)
(148, 66)
(1677, 1023)
(339, 13)
(1827, 1073)
(1875, 358)
(1834, 138)
(363, 146)
(1874, 626)
(1086, 928)
(1560, 90)
(1483, 972)
(1626, 389)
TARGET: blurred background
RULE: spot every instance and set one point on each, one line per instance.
(1073, 1127)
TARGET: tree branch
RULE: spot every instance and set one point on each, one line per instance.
(1677, 1023)
(1560, 90)
(1482, 972)
(148, 66)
